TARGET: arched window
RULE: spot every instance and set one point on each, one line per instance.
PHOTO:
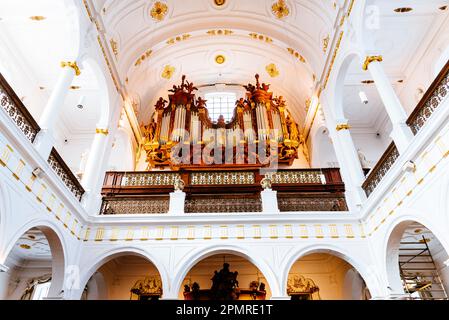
(221, 103)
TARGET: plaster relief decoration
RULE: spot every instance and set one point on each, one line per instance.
(142, 58)
(280, 9)
(168, 72)
(272, 70)
(150, 287)
(305, 288)
(159, 11)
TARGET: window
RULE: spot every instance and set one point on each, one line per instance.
(221, 103)
(41, 291)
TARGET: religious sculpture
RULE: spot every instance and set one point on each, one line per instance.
(224, 284)
(266, 182)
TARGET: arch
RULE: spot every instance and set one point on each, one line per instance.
(120, 252)
(342, 68)
(97, 289)
(391, 243)
(188, 262)
(322, 149)
(103, 88)
(365, 272)
(58, 249)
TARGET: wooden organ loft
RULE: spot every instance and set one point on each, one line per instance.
(219, 164)
(260, 122)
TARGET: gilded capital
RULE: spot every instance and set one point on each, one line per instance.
(370, 59)
(102, 131)
(73, 65)
(343, 126)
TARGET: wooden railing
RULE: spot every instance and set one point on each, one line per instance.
(432, 99)
(15, 109)
(381, 169)
(223, 190)
(63, 171)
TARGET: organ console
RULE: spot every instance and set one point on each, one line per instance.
(181, 133)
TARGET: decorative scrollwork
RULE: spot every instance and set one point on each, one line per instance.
(381, 169)
(223, 205)
(437, 93)
(154, 179)
(296, 203)
(292, 177)
(16, 111)
(222, 178)
(151, 205)
(63, 171)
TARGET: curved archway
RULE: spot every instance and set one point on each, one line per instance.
(37, 244)
(333, 263)
(416, 262)
(131, 264)
(193, 259)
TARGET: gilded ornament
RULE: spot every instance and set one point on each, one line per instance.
(159, 11)
(343, 126)
(72, 65)
(219, 3)
(370, 59)
(220, 59)
(168, 72)
(280, 9)
(272, 70)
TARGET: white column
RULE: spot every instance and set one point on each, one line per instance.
(351, 168)
(93, 173)
(177, 203)
(401, 134)
(45, 140)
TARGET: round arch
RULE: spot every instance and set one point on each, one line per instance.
(391, 242)
(365, 272)
(58, 249)
(341, 71)
(187, 263)
(103, 88)
(110, 255)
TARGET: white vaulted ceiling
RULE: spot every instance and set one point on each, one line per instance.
(192, 33)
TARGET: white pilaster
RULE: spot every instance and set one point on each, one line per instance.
(177, 203)
(269, 201)
(45, 140)
(401, 134)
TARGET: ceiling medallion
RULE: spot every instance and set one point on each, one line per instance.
(219, 3)
(168, 72)
(159, 11)
(220, 59)
(280, 9)
(272, 70)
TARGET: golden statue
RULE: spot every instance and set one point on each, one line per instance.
(292, 129)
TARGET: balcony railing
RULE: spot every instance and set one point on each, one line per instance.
(63, 171)
(223, 190)
(15, 109)
(381, 169)
(432, 99)
(136, 205)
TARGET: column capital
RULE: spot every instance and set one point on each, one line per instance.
(343, 126)
(102, 131)
(370, 59)
(73, 65)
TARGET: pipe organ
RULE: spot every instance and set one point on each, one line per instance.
(259, 121)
